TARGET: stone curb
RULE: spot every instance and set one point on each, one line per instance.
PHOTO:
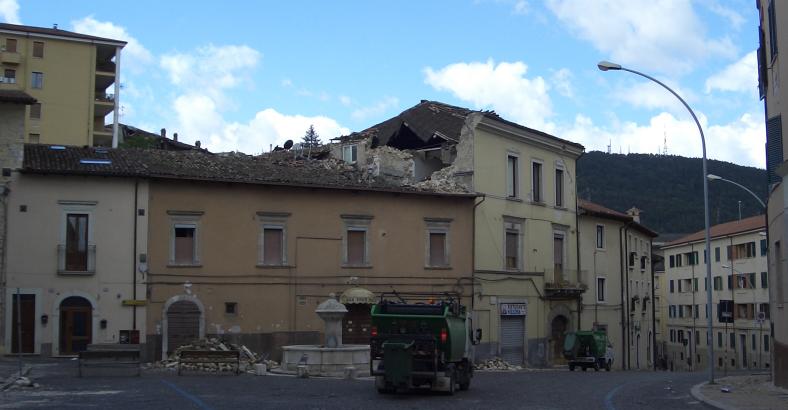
(696, 393)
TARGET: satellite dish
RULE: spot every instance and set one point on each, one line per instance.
(288, 144)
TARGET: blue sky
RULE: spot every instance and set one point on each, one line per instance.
(246, 75)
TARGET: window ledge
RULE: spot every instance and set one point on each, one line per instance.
(264, 266)
(438, 268)
(538, 203)
(356, 266)
(184, 265)
(514, 199)
(561, 208)
(75, 273)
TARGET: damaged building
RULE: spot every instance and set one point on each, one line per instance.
(527, 280)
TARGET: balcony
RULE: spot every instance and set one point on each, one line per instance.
(8, 57)
(75, 262)
(104, 103)
(106, 67)
(564, 290)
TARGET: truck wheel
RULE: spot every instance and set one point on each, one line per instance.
(583, 367)
(571, 367)
(607, 366)
(596, 366)
(452, 384)
(386, 390)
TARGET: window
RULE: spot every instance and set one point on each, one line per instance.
(764, 308)
(513, 245)
(10, 45)
(730, 282)
(600, 237)
(34, 138)
(231, 308)
(717, 254)
(695, 284)
(764, 280)
(600, 289)
(772, 31)
(764, 249)
(719, 339)
(744, 250)
(37, 80)
(678, 260)
(681, 310)
(272, 242)
(35, 111)
(184, 237)
(512, 180)
(733, 341)
(350, 153)
(558, 255)
(718, 283)
(356, 241)
(559, 187)
(751, 280)
(754, 342)
(765, 343)
(76, 242)
(38, 49)
(9, 76)
(437, 254)
(672, 287)
(672, 261)
(536, 181)
(672, 335)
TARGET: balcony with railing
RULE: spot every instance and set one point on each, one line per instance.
(561, 290)
(105, 67)
(76, 261)
(10, 57)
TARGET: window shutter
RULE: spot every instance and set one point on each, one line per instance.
(774, 147)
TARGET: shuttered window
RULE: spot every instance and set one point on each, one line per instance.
(774, 147)
(512, 239)
(438, 249)
(356, 244)
(184, 244)
(272, 246)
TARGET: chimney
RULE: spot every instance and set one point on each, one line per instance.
(634, 213)
(163, 133)
(175, 137)
(196, 143)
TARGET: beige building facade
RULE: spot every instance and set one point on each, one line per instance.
(75, 79)
(773, 35)
(616, 266)
(740, 298)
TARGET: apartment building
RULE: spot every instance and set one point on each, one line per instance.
(616, 265)
(740, 298)
(526, 270)
(772, 33)
(75, 79)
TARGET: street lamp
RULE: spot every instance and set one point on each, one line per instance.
(712, 177)
(605, 66)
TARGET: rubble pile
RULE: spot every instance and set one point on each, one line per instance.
(496, 364)
(443, 180)
(14, 383)
(248, 357)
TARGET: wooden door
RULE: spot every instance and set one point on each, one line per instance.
(76, 325)
(356, 324)
(26, 311)
(183, 324)
(559, 326)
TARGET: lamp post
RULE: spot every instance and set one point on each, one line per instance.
(712, 177)
(605, 66)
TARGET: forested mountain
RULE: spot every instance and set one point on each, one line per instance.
(668, 189)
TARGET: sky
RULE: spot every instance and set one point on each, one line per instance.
(244, 76)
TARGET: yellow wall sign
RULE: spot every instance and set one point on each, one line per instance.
(132, 302)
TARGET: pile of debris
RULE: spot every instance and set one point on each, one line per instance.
(14, 382)
(496, 364)
(248, 358)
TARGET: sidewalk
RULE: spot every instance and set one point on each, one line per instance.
(752, 392)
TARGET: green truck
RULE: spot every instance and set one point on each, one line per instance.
(421, 340)
(588, 349)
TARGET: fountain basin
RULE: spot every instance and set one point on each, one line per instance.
(326, 361)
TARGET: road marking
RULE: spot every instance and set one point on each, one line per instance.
(609, 396)
(201, 404)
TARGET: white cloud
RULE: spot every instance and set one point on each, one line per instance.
(741, 141)
(502, 87)
(375, 110)
(733, 17)
(521, 7)
(9, 11)
(286, 82)
(741, 76)
(134, 54)
(215, 67)
(345, 100)
(562, 81)
(666, 36)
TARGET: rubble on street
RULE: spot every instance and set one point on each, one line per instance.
(496, 364)
(248, 357)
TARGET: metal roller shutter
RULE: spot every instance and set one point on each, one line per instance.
(513, 339)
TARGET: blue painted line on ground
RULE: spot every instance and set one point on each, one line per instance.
(194, 399)
(609, 397)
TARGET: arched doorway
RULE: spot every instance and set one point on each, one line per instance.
(183, 324)
(558, 332)
(357, 323)
(76, 325)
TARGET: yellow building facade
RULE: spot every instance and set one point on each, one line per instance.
(73, 77)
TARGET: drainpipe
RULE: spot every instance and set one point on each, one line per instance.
(653, 307)
(134, 259)
(621, 276)
(626, 284)
(473, 253)
(577, 245)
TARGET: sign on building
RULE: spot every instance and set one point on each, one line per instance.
(513, 309)
(725, 311)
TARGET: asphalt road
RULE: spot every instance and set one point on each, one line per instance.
(158, 389)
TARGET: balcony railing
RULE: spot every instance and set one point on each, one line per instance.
(76, 263)
(108, 67)
(564, 290)
(105, 97)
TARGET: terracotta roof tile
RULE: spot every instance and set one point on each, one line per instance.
(752, 223)
(594, 209)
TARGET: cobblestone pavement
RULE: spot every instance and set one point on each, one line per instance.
(751, 392)
(162, 389)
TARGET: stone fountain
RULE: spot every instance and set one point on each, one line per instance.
(334, 358)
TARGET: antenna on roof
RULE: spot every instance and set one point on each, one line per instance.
(608, 145)
(54, 26)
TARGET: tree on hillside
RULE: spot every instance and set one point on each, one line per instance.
(311, 138)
